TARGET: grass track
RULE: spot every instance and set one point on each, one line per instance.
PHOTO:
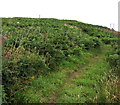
(88, 83)
(72, 76)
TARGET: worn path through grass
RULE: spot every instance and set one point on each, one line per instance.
(89, 82)
(84, 84)
(72, 76)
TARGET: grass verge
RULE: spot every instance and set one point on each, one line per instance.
(96, 85)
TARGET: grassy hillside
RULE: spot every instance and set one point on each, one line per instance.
(41, 55)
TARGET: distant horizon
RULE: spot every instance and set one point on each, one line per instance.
(58, 19)
(97, 12)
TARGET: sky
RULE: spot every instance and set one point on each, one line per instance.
(97, 12)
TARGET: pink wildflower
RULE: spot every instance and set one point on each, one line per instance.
(8, 54)
(4, 38)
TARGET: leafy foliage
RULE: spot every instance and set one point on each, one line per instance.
(38, 46)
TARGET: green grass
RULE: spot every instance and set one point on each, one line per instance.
(95, 84)
(74, 62)
(91, 86)
(39, 89)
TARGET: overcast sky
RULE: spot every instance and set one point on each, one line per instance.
(98, 12)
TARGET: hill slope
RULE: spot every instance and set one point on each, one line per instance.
(41, 48)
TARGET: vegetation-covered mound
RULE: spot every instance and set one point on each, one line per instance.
(41, 47)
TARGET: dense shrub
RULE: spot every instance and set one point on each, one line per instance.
(113, 60)
(113, 57)
(4, 95)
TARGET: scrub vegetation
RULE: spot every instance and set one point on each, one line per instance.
(48, 60)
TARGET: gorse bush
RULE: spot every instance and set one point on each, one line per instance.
(114, 59)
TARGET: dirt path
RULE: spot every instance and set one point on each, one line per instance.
(109, 30)
(102, 29)
(71, 77)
